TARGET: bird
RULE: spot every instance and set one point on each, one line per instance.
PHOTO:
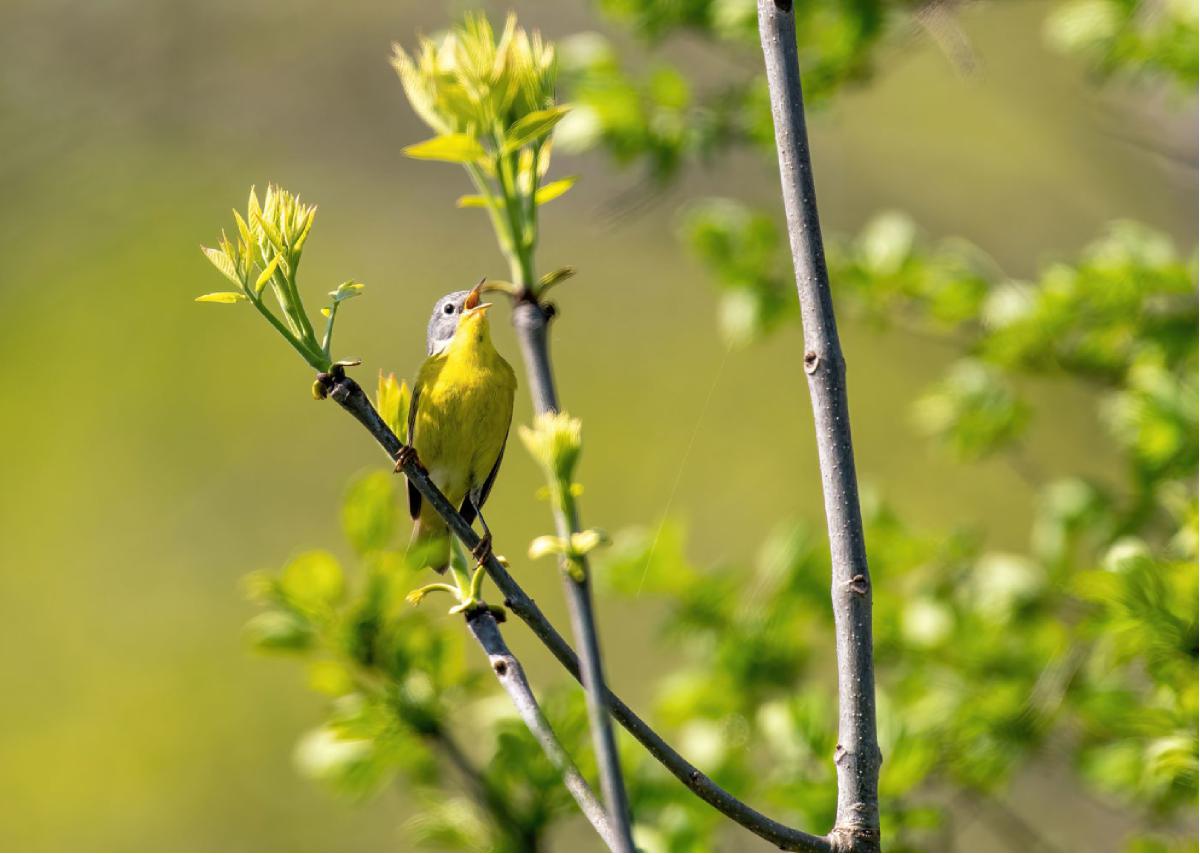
(458, 421)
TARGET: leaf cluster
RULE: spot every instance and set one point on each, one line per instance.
(1086, 643)
(492, 103)
(266, 252)
(403, 700)
(659, 119)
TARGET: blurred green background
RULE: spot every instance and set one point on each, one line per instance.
(157, 450)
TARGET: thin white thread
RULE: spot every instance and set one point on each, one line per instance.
(662, 523)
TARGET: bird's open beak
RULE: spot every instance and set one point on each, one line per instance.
(471, 305)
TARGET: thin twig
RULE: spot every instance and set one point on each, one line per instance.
(504, 814)
(512, 677)
(350, 396)
(530, 320)
(857, 754)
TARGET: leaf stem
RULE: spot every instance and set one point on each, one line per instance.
(319, 361)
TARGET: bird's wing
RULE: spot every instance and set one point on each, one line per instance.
(414, 495)
(478, 497)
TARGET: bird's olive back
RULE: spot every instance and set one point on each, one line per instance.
(443, 323)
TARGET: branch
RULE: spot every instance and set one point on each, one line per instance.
(857, 755)
(350, 396)
(512, 677)
(502, 813)
(530, 320)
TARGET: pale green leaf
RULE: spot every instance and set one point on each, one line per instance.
(452, 148)
(471, 202)
(554, 189)
(369, 511)
(531, 127)
(266, 275)
(391, 400)
(312, 582)
(221, 297)
(278, 631)
(583, 542)
(545, 545)
(346, 290)
(222, 262)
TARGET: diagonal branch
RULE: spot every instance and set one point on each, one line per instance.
(530, 320)
(503, 814)
(857, 755)
(350, 396)
(511, 675)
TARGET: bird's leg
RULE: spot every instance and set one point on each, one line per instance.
(483, 550)
(406, 455)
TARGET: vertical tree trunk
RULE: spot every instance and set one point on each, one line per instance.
(857, 753)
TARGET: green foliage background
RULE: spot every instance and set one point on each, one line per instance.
(157, 450)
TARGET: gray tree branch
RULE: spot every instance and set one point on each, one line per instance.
(857, 754)
(530, 321)
(503, 814)
(350, 396)
(511, 675)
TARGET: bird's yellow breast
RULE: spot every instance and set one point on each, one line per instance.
(464, 409)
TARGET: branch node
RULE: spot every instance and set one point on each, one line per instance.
(811, 361)
(857, 585)
(853, 839)
(500, 667)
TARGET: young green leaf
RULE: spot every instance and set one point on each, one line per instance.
(531, 127)
(554, 189)
(451, 148)
(224, 263)
(266, 275)
(346, 290)
(312, 582)
(392, 400)
(221, 297)
(278, 631)
(546, 544)
(369, 512)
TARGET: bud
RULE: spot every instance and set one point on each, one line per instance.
(555, 441)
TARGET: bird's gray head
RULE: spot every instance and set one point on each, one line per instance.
(444, 321)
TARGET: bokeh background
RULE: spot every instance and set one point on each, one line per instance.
(157, 450)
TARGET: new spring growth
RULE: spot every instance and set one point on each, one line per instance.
(555, 441)
(392, 398)
(266, 252)
(491, 102)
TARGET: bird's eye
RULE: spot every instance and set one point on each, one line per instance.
(449, 310)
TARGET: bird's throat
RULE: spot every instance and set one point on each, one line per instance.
(472, 341)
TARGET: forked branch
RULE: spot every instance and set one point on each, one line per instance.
(511, 675)
(350, 396)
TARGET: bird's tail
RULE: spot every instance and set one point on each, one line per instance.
(430, 543)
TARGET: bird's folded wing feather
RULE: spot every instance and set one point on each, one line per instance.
(485, 488)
